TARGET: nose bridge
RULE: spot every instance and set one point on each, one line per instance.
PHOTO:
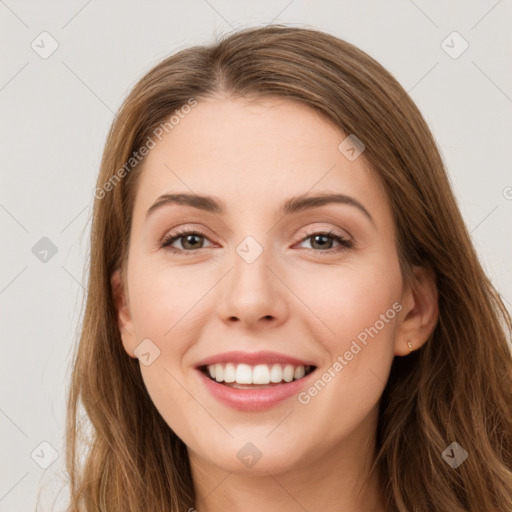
(250, 279)
(251, 291)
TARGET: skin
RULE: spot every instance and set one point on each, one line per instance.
(293, 299)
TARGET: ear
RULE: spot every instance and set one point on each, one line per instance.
(420, 312)
(124, 319)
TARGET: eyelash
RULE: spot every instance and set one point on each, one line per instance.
(179, 233)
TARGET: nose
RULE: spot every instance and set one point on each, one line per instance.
(253, 294)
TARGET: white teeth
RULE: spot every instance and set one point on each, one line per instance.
(229, 373)
(276, 373)
(258, 374)
(288, 373)
(243, 374)
(299, 372)
(219, 372)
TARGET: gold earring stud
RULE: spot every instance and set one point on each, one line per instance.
(409, 344)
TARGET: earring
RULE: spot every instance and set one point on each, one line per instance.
(409, 344)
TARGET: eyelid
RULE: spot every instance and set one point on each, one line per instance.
(174, 231)
(327, 230)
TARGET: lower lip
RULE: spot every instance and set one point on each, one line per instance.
(251, 400)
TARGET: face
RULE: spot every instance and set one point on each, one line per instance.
(264, 284)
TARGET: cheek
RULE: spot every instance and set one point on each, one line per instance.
(164, 300)
(348, 388)
(356, 310)
(168, 393)
(350, 298)
(165, 304)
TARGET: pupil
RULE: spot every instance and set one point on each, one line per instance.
(189, 237)
(320, 237)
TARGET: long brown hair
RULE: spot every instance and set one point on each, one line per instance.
(456, 388)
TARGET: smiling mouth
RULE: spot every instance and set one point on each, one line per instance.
(244, 376)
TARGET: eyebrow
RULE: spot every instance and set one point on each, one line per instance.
(292, 205)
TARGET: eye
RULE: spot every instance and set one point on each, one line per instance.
(321, 239)
(190, 244)
(191, 241)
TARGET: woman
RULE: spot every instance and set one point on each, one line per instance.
(285, 310)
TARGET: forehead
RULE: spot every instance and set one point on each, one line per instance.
(254, 153)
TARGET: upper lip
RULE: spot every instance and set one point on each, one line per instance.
(253, 358)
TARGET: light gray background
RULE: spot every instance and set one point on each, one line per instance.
(55, 115)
